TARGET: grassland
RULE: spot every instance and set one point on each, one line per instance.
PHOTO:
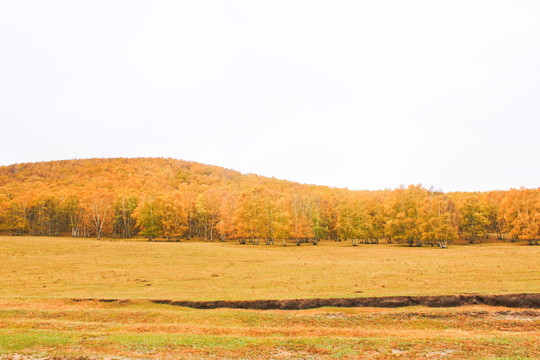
(40, 276)
(34, 267)
(139, 329)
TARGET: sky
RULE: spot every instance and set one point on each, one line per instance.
(356, 94)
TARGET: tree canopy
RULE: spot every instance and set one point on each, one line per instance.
(175, 199)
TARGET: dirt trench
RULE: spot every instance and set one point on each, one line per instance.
(531, 301)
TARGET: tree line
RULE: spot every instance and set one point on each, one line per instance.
(174, 199)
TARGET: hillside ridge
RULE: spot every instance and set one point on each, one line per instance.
(175, 199)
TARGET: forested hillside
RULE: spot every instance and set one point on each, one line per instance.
(175, 199)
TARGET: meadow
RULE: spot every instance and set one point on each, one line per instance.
(41, 279)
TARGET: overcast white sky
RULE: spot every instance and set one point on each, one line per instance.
(357, 94)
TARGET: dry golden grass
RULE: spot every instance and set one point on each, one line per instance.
(38, 277)
(140, 329)
(40, 267)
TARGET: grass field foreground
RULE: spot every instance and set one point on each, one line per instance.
(140, 329)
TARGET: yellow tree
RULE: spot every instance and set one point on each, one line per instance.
(227, 210)
(282, 220)
(148, 215)
(301, 229)
(403, 213)
(473, 223)
(248, 215)
(521, 210)
(100, 211)
(174, 209)
(438, 220)
(15, 217)
(495, 218)
(207, 206)
(345, 224)
(376, 216)
(4, 205)
(75, 216)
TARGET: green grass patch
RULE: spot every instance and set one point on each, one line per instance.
(153, 342)
(16, 340)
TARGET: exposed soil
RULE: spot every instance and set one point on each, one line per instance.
(511, 300)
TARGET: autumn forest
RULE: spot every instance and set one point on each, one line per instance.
(160, 198)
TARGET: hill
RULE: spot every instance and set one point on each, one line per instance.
(174, 199)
